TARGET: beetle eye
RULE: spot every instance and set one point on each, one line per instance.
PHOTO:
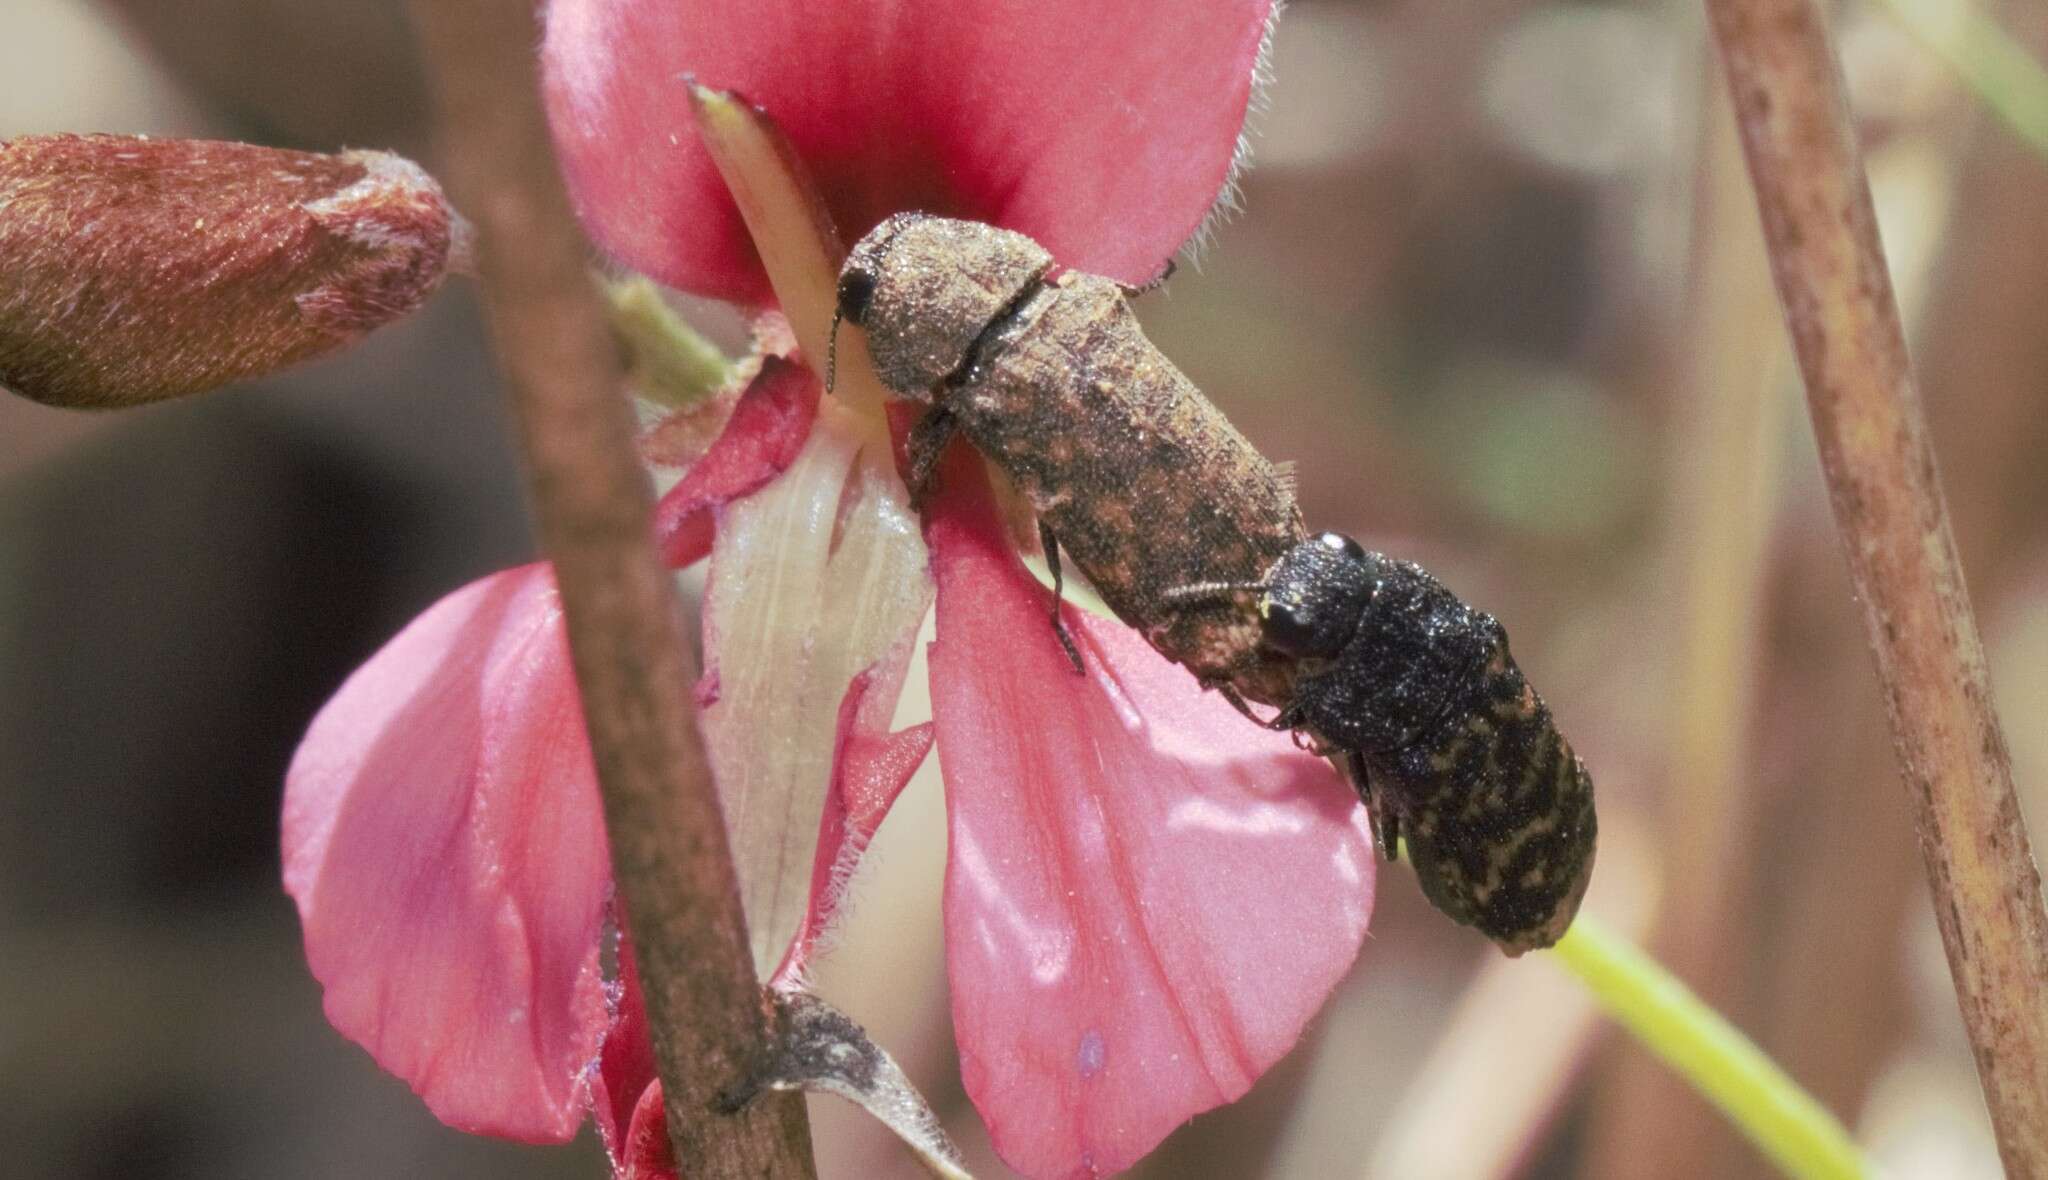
(1289, 627)
(856, 287)
(1344, 545)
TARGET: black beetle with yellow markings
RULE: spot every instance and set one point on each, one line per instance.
(1442, 734)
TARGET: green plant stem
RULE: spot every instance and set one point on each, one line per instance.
(1784, 1121)
(1998, 69)
(671, 363)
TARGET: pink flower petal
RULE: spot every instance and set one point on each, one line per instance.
(625, 1067)
(815, 578)
(1146, 896)
(444, 842)
(1103, 130)
(870, 768)
(649, 1154)
(764, 435)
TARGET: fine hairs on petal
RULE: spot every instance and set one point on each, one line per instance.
(1230, 198)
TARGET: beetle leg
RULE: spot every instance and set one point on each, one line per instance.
(1278, 721)
(1151, 284)
(1386, 826)
(1051, 545)
(1237, 702)
(928, 438)
(1288, 718)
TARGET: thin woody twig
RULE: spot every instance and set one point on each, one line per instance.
(1981, 359)
(668, 841)
(1837, 296)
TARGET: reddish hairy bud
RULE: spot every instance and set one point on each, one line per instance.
(133, 270)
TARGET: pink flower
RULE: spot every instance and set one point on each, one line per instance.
(1146, 898)
(443, 836)
(1106, 131)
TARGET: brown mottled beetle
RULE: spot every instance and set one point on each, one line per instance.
(1194, 539)
(1443, 736)
(1142, 481)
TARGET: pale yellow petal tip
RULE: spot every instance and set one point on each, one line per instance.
(714, 104)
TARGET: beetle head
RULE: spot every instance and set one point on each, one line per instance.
(926, 287)
(1317, 593)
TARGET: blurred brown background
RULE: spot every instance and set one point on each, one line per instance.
(1497, 287)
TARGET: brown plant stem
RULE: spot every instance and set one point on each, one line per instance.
(1844, 322)
(593, 503)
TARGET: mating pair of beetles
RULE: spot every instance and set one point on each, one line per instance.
(1194, 539)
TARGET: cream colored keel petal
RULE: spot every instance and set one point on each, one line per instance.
(818, 576)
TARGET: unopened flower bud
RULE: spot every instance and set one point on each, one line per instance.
(133, 269)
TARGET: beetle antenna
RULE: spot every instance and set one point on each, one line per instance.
(832, 352)
(1196, 592)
